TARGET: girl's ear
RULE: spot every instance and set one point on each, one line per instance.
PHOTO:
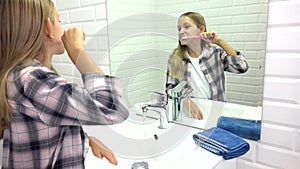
(48, 29)
(202, 28)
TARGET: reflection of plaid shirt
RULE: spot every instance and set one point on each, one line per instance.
(47, 114)
(213, 64)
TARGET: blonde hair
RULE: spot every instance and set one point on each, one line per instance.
(22, 33)
(176, 64)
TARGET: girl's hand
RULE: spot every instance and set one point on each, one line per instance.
(73, 39)
(193, 110)
(100, 150)
(212, 36)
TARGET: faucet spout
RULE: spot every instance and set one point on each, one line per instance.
(176, 95)
(163, 115)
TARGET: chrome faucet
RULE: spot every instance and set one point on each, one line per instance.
(172, 107)
(163, 115)
(175, 96)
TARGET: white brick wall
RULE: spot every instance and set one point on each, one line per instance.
(280, 144)
(91, 17)
(243, 25)
(133, 48)
(279, 147)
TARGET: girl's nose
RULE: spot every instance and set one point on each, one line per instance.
(181, 31)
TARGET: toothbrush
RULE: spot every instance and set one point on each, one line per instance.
(191, 37)
(196, 37)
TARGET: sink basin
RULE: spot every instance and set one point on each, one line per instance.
(139, 139)
(211, 111)
(140, 127)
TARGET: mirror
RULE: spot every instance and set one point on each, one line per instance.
(143, 33)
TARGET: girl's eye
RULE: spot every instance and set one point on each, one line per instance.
(187, 26)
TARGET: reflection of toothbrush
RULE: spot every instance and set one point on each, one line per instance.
(191, 37)
(196, 37)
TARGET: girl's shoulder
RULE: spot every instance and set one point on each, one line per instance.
(33, 70)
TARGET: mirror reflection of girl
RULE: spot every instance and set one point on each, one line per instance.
(200, 59)
(41, 113)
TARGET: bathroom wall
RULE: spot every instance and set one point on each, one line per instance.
(280, 144)
(243, 25)
(280, 137)
(91, 16)
(132, 48)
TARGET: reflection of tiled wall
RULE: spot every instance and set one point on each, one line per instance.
(280, 144)
(243, 25)
(279, 147)
(132, 52)
(220, 16)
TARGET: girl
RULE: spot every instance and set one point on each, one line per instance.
(41, 113)
(201, 59)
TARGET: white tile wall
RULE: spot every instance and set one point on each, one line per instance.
(91, 17)
(243, 25)
(86, 14)
(67, 4)
(92, 2)
(280, 144)
(133, 49)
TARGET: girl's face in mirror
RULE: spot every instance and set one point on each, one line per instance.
(186, 27)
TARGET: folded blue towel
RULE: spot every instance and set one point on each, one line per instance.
(221, 142)
(249, 129)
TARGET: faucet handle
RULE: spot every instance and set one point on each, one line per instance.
(177, 91)
(176, 95)
(179, 87)
(186, 92)
(158, 98)
(145, 106)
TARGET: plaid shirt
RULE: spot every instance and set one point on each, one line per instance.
(213, 64)
(47, 114)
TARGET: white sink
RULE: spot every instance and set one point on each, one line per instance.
(140, 127)
(139, 139)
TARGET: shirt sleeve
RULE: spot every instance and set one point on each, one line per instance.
(234, 64)
(171, 81)
(58, 102)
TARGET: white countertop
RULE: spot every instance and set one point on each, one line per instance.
(180, 155)
(132, 141)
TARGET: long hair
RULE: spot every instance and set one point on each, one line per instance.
(22, 35)
(176, 64)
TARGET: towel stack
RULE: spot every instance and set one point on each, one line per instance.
(249, 129)
(221, 142)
